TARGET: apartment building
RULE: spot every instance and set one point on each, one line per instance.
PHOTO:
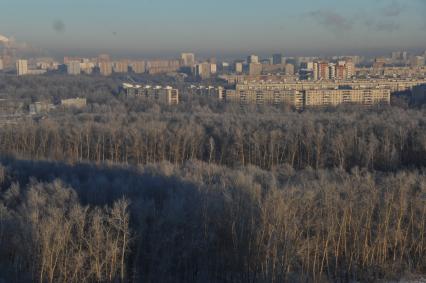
(138, 67)
(246, 94)
(121, 66)
(22, 67)
(334, 97)
(73, 68)
(105, 68)
(162, 66)
(166, 94)
(311, 97)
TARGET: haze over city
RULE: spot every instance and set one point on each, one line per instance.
(216, 28)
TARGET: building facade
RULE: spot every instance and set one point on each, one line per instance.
(162, 66)
(21, 67)
(166, 94)
(203, 70)
(255, 69)
(188, 59)
(121, 66)
(334, 97)
(74, 102)
(105, 68)
(314, 94)
(138, 67)
(73, 68)
(252, 59)
(277, 59)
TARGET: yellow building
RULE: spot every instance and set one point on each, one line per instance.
(105, 68)
(121, 66)
(21, 67)
(138, 67)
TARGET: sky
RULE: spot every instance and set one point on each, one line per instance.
(218, 28)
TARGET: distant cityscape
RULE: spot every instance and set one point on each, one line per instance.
(299, 81)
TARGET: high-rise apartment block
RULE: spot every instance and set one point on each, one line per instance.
(417, 61)
(87, 66)
(379, 62)
(404, 55)
(203, 70)
(21, 67)
(349, 68)
(331, 71)
(188, 59)
(68, 59)
(213, 68)
(73, 68)
(340, 70)
(252, 59)
(289, 69)
(238, 67)
(104, 58)
(105, 65)
(121, 66)
(323, 71)
(138, 67)
(255, 69)
(396, 56)
(224, 66)
(277, 59)
(162, 66)
(105, 68)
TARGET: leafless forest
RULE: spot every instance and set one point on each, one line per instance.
(129, 190)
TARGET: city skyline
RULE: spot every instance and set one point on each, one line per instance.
(164, 28)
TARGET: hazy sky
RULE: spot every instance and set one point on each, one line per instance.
(216, 27)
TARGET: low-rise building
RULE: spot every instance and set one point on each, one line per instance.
(40, 107)
(36, 72)
(74, 102)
